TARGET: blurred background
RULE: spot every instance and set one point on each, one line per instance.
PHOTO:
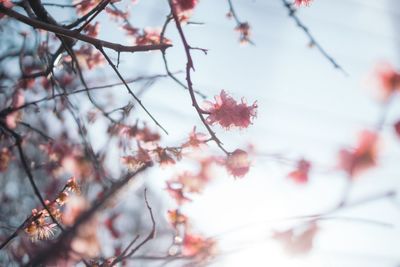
(306, 109)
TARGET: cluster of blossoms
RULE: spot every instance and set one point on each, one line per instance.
(66, 157)
(194, 246)
(40, 225)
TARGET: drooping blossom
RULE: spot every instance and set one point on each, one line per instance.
(297, 242)
(228, 113)
(238, 163)
(362, 157)
(388, 79)
(302, 2)
(244, 31)
(300, 174)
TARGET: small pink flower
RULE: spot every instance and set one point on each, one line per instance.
(302, 2)
(184, 8)
(300, 175)
(227, 112)
(388, 79)
(362, 157)
(238, 163)
(196, 140)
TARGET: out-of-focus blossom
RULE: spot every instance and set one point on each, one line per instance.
(176, 191)
(300, 174)
(175, 217)
(238, 163)
(92, 29)
(228, 113)
(13, 118)
(244, 30)
(84, 6)
(88, 57)
(295, 242)
(362, 157)
(388, 79)
(198, 247)
(184, 8)
(302, 2)
(151, 36)
(5, 157)
(196, 140)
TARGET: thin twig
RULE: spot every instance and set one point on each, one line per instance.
(313, 41)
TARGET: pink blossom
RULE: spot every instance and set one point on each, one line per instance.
(238, 163)
(302, 2)
(388, 79)
(300, 174)
(362, 157)
(184, 8)
(227, 112)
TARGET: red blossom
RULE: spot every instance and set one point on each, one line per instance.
(238, 163)
(228, 113)
(302, 2)
(362, 157)
(300, 174)
(184, 8)
(388, 79)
